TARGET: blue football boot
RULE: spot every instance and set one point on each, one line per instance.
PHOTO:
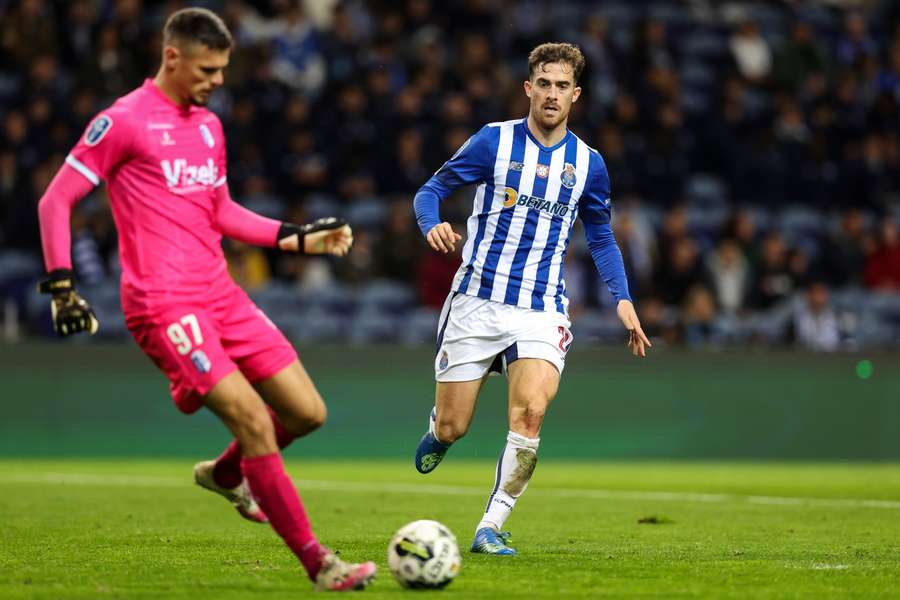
(430, 452)
(488, 541)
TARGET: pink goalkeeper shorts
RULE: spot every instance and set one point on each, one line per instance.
(197, 344)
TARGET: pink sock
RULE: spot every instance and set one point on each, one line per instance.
(227, 472)
(281, 503)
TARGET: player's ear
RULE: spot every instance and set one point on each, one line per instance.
(528, 88)
(576, 93)
(171, 56)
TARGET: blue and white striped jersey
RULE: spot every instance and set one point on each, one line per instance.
(526, 202)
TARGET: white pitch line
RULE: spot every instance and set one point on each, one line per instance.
(96, 479)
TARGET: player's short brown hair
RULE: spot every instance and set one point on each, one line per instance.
(556, 52)
(197, 25)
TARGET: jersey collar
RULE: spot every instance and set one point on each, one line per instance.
(151, 87)
(540, 145)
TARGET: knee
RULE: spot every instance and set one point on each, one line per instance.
(306, 422)
(529, 417)
(255, 427)
(449, 431)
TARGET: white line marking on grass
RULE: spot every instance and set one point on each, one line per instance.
(98, 479)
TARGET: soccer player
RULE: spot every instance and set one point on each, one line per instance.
(162, 154)
(507, 309)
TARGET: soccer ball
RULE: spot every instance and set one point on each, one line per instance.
(423, 555)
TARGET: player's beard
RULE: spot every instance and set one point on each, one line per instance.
(550, 121)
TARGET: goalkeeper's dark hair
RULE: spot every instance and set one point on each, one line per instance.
(197, 26)
(556, 52)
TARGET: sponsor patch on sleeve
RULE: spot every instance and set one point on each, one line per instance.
(97, 130)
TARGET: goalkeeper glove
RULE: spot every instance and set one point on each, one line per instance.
(328, 235)
(71, 314)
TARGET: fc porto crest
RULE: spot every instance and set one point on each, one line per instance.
(444, 362)
(568, 177)
(97, 130)
(207, 135)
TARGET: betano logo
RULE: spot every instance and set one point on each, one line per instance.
(179, 173)
(512, 198)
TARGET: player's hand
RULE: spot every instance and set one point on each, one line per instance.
(70, 313)
(638, 342)
(442, 238)
(329, 235)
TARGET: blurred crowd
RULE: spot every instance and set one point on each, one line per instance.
(753, 147)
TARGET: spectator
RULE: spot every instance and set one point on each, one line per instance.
(729, 274)
(815, 323)
(772, 282)
(699, 326)
(751, 52)
(883, 266)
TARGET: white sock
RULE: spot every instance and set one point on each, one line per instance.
(433, 432)
(514, 469)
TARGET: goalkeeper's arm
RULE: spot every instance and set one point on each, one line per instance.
(71, 314)
(324, 236)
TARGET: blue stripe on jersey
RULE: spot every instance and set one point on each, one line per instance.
(543, 272)
(517, 269)
(487, 200)
(559, 283)
(513, 177)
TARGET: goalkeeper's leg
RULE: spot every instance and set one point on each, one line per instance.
(296, 409)
(242, 410)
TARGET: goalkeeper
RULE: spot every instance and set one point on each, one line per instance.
(162, 154)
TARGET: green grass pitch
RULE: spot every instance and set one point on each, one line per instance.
(141, 529)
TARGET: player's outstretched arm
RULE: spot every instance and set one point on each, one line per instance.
(329, 235)
(638, 342)
(70, 313)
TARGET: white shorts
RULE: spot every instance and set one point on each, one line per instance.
(477, 335)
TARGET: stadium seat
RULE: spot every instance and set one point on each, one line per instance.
(373, 326)
(419, 327)
(387, 295)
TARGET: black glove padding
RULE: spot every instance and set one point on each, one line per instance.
(323, 224)
(71, 314)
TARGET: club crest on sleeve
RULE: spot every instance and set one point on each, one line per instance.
(201, 361)
(568, 177)
(445, 361)
(542, 171)
(207, 135)
(97, 129)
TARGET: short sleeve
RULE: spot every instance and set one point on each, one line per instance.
(107, 142)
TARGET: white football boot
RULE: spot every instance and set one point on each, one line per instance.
(240, 497)
(335, 575)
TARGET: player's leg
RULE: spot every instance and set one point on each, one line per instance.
(299, 408)
(296, 409)
(468, 342)
(454, 407)
(533, 384)
(242, 410)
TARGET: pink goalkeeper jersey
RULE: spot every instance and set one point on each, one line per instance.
(162, 163)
